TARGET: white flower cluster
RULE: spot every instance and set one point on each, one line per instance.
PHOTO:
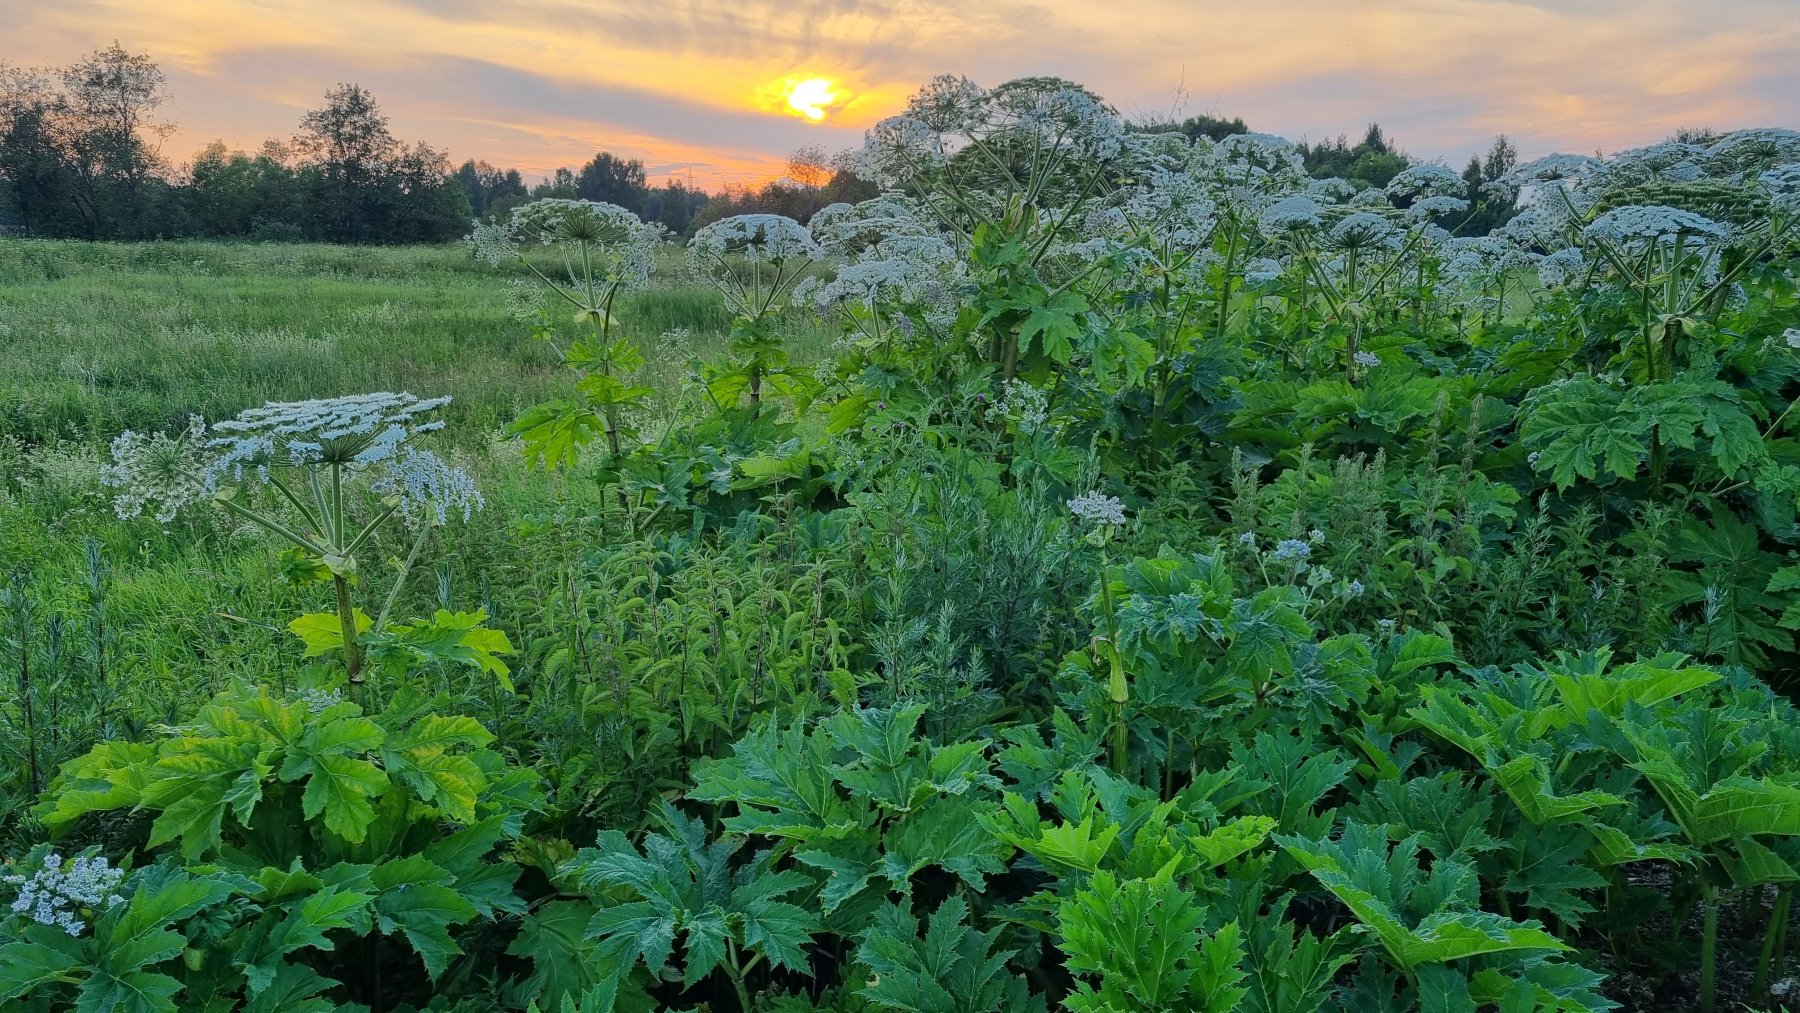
(896, 258)
(1427, 179)
(1026, 404)
(1058, 123)
(61, 894)
(1636, 223)
(428, 488)
(1751, 151)
(757, 238)
(1368, 360)
(492, 242)
(318, 700)
(616, 246)
(167, 473)
(362, 432)
(1290, 550)
(1560, 269)
(1098, 509)
(357, 429)
(1427, 208)
(620, 247)
(1361, 230)
(1290, 214)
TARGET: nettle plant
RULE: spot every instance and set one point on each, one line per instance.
(326, 477)
(604, 251)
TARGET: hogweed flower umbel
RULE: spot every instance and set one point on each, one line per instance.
(1098, 509)
(63, 894)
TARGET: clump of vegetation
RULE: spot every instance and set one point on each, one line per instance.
(1111, 570)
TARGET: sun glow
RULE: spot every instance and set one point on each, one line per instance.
(812, 97)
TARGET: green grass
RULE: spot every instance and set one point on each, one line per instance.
(101, 337)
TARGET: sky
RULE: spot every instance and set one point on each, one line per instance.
(697, 88)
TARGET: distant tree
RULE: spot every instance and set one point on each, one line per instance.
(674, 204)
(35, 181)
(1502, 158)
(366, 184)
(348, 147)
(1694, 135)
(560, 184)
(111, 97)
(608, 178)
(1488, 210)
(78, 146)
(1373, 161)
(231, 193)
(490, 190)
(1195, 127)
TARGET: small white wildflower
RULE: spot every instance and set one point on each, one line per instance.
(1315, 536)
(1367, 359)
(1354, 589)
(1098, 509)
(1385, 625)
(1247, 538)
(1792, 337)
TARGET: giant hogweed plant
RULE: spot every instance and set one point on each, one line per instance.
(298, 854)
(604, 250)
(306, 472)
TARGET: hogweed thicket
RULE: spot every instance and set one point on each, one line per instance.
(1186, 584)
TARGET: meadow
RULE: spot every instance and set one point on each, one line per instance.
(1107, 572)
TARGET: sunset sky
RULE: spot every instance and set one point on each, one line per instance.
(697, 85)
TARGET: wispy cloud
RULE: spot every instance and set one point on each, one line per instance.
(541, 83)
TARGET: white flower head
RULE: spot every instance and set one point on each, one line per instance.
(428, 488)
(1427, 180)
(158, 472)
(1637, 223)
(1361, 231)
(1290, 214)
(1560, 269)
(620, 247)
(356, 430)
(64, 894)
(1098, 509)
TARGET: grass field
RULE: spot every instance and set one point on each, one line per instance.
(99, 338)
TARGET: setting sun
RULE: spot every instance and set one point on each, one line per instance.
(812, 97)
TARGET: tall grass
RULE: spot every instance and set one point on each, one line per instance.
(100, 337)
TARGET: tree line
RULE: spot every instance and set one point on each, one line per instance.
(80, 157)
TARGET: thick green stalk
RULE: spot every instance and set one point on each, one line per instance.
(352, 652)
(1778, 918)
(1709, 945)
